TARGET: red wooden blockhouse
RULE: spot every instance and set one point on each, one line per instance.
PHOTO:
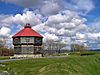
(27, 41)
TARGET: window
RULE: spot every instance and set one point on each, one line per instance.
(16, 40)
(38, 41)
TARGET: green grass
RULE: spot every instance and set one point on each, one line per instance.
(84, 53)
(71, 65)
(4, 57)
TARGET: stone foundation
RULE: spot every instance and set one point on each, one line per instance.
(28, 56)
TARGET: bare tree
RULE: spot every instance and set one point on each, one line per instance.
(60, 45)
(3, 50)
(48, 46)
(54, 46)
(77, 47)
(3, 41)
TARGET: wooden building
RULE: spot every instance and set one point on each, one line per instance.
(27, 41)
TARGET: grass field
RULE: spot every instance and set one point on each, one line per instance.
(71, 65)
(4, 57)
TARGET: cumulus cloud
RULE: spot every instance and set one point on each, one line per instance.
(26, 17)
(93, 36)
(40, 27)
(54, 6)
(48, 36)
(80, 36)
(6, 20)
(66, 24)
(55, 19)
(5, 32)
(81, 6)
(63, 25)
(56, 27)
(50, 8)
(95, 26)
(86, 5)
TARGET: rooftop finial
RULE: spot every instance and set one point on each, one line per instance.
(27, 25)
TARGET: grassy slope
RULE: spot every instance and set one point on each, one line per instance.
(72, 65)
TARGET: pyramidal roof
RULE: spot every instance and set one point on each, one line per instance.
(27, 31)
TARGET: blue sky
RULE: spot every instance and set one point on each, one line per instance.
(15, 13)
(10, 8)
(91, 16)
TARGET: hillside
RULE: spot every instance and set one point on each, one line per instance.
(71, 65)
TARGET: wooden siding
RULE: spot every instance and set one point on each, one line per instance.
(28, 49)
(27, 39)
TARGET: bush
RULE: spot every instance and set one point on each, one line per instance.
(87, 53)
(83, 53)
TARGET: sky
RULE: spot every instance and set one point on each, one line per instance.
(68, 21)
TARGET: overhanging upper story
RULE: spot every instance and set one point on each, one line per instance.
(27, 36)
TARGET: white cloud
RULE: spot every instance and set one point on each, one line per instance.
(95, 26)
(78, 21)
(53, 18)
(5, 32)
(50, 8)
(6, 20)
(81, 6)
(80, 36)
(27, 17)
(93, 36)
(40, 27)
(66, 40)
(66, 24)
(85, 5)
(61, 31)
(48, 36)
(54, 6)
(63, 25)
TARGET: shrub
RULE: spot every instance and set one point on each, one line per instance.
(83, 53)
